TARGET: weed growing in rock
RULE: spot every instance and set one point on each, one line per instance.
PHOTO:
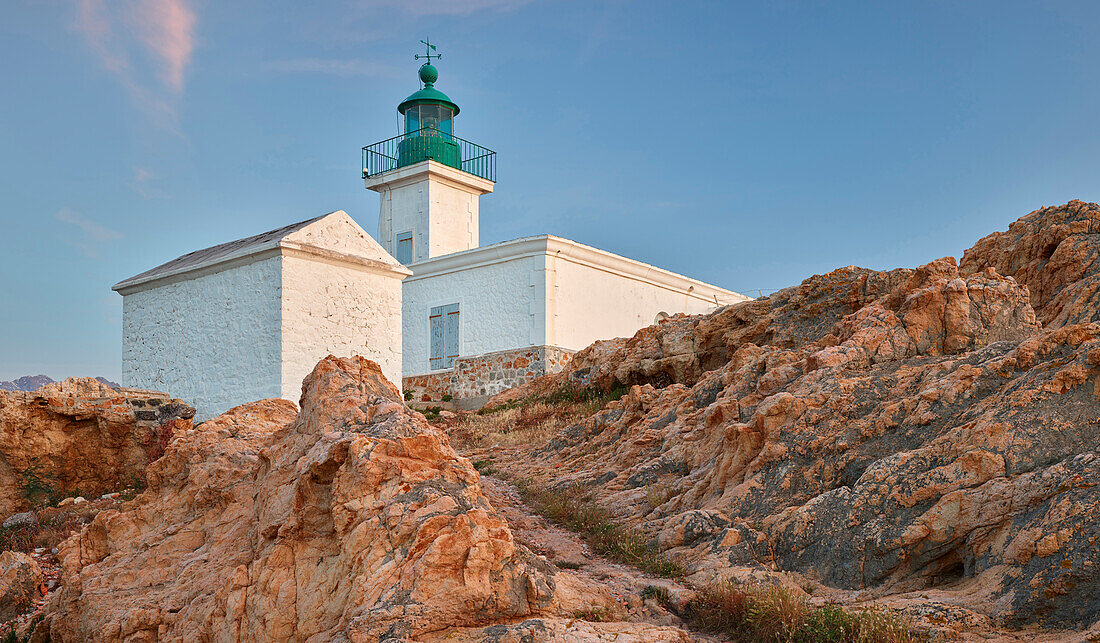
(484, 467)
(432, 412)
(573, 508)
(533, 421)
(566, 395)
(592, 614)
(757, 613)
(568, 564)
(657, 494)
(531, 424)
(39, 487)
(10, 637)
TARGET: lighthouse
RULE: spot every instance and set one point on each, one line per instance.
(429, 179)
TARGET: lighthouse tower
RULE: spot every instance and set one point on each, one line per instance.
(429, 180)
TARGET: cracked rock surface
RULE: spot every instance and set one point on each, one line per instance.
(926, 436)
(352, 520)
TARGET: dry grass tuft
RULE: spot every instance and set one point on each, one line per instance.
(758, 613)
(530, 424)
(573, 508)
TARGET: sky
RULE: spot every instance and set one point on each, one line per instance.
(747, 144)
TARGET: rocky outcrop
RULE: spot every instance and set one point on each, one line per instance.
(80, 436)
(924, 432)
(1054, 252)
(19, 581)
(352, 519)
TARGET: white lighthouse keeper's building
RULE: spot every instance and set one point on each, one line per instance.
(249, 319)
(480, 319)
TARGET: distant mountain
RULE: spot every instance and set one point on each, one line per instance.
(26, 383)
(35, 382)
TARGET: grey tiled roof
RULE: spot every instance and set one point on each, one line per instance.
(216, 253)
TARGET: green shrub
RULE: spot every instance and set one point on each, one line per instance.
(447, 397)
(39, 488)
(408, 394)
(484, 467)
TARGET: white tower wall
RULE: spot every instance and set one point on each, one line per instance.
(435, 202)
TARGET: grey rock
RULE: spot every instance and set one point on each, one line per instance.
(24, 518)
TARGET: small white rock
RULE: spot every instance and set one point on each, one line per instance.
(79, 500)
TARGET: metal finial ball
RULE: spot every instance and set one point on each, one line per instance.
(428, 74)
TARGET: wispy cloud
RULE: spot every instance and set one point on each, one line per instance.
(166, 27)
(143, 183)
(94, 235)
(333, 66)
(132, 37)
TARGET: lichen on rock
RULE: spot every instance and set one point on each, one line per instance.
(931, 430)
(352, 519)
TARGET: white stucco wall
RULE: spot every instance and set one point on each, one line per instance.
(453, 224)
(540, 291)
(404, 208)
(500, 304)
(588, 303)
(212, 341)
(340, 309)
(435, 202)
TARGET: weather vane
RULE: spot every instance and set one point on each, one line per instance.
(429, 49)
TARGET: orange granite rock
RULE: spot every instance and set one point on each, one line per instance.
(885, 433)
(80, 436)
(352, 519)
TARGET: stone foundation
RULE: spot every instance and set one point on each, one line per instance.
(481, 376)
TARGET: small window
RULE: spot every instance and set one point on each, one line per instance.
(443, 322)
(405, 248)
(412, 119)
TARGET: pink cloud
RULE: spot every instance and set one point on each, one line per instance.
(167, 29)
(138, 39)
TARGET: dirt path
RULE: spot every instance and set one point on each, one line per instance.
(566, 549)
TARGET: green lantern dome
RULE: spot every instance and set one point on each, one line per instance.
(429, 95)
(429, 123)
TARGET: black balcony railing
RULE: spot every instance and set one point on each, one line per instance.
(429, 143)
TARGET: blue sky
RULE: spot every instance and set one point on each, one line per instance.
(747, 144)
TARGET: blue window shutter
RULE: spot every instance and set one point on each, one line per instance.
(405, 248)
(450, 334)
(435, 322)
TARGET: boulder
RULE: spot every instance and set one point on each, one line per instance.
(352, 519)
(20, 577)
(80, 435)
(23, 518)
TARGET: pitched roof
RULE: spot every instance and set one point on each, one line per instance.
(252, 245)
(217, 253)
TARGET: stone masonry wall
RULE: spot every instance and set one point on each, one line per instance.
(488, 374)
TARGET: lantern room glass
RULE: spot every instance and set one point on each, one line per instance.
(437, 119)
